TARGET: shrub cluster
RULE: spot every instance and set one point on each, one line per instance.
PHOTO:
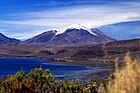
(42, 81)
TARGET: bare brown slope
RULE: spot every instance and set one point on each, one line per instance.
(91, 55)
(109, 49)
(103, 54)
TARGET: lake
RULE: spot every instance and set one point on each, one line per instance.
(12, 65)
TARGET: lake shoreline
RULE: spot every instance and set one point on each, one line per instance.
(89, 63)
(86, 71)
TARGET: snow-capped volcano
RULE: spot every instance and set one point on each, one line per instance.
(75, 26)
(73, 34)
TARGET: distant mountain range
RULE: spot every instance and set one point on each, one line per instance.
(125, 30)
(76, 34)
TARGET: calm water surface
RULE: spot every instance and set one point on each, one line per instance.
(12, 65)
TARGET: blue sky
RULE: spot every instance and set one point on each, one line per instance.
(23, 19)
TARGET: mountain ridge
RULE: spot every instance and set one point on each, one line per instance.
(4, 40)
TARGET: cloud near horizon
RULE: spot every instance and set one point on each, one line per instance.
(28, 24)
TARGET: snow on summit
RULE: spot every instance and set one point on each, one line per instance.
(75, 26)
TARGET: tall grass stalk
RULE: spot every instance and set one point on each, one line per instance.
(127, 79)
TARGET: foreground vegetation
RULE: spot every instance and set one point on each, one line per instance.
(125, 80)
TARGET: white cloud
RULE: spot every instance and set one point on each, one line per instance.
(24, 36)
(92, 15)
(96, 15)
(2, 30)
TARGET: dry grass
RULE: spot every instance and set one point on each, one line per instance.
(127, 79)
